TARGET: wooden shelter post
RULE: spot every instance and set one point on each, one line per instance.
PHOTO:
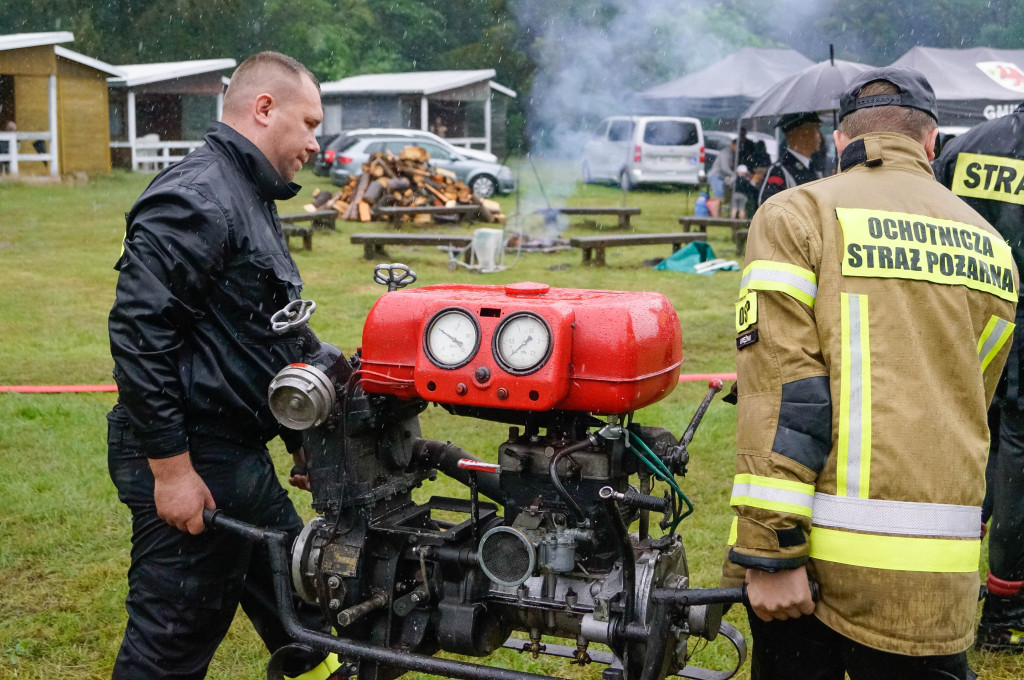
(52, 97)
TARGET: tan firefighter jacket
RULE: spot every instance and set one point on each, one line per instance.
(873, 321)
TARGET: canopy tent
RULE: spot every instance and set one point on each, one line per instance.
(726, 88)
(971, 85)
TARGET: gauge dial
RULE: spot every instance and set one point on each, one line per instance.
(522, 343)
(452, 338)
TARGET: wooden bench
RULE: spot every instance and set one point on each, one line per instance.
(624, 214)
(373, 244)
(594, 246)
(319, 220)
(306, 233)
(394, 214)
(739, 228)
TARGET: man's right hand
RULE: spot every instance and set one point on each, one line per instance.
(180, 493)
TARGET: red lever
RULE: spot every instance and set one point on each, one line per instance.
(479, 466)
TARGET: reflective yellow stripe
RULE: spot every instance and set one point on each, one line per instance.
(322, 671)
(992, 177)
(895, 553)
(797, 282)
(997, 332)
(733, 530)
(880, 244)
(769, 493)
(853, 468)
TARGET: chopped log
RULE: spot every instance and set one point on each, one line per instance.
(493, 206)
(353, 211)
(373, 193)
(485, 211)
(414, 153)
(398, 184)
(440, 195)
(365, 212)
(423, 218)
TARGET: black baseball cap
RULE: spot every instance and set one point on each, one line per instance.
(794, 120)
(914, 91)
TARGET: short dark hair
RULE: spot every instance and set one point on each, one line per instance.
(900, 119)
(282, 61)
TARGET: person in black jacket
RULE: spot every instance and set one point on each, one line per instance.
(985, 167)
(803, 139)
(204, 267)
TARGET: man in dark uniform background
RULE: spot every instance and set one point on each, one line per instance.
(985, 167)
(803, 138)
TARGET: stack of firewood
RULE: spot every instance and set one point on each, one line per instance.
(407, 180)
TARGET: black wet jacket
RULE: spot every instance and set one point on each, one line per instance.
(985, 167)
(205, 265)
(785, 173)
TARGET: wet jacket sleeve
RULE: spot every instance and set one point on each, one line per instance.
(174, 247)
(784, 405)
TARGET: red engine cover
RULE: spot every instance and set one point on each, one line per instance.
(608, 352)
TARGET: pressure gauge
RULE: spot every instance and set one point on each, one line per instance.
(522, 343)
(452, 338)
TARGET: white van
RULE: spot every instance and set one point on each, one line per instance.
(634, 150)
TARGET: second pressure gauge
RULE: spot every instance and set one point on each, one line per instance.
(452, 338)
(522, 343)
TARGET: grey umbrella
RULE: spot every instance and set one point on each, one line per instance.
(816, 88)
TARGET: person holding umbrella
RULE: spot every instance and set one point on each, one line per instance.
(803, 139)
(874, 319)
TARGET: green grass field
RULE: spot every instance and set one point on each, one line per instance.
(64, 536)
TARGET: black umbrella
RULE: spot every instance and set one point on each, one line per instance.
(816, 88)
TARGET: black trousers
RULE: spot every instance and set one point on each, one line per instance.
(1005, 498)
(807, 649)
(183, 590)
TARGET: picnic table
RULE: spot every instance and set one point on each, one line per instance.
(594, 246)
(739, 228)
(461, 212)
(319, 220)
(373, 244)
(623, 214)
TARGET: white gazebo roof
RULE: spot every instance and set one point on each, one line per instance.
(416, 82)
(144, 74)
(17, 41)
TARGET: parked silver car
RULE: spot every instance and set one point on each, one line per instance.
(483, 178)
(335, 145)
(634, 150)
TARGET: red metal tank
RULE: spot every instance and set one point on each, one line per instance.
(523, 346)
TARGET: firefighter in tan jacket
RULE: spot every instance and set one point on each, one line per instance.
(873, 321)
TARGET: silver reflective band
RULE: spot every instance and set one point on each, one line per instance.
(897, 517)
(763, 493)
(993, 338)
(792, 280)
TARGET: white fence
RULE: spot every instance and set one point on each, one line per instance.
(12, 141)
(153, 156)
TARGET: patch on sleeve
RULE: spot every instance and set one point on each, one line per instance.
(776, 180)
(747, 339)
(746, 311)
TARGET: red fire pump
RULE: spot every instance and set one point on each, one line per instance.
(549, 554)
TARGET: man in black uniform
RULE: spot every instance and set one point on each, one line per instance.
(204, 267)
(803, 138)
(985, 167)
